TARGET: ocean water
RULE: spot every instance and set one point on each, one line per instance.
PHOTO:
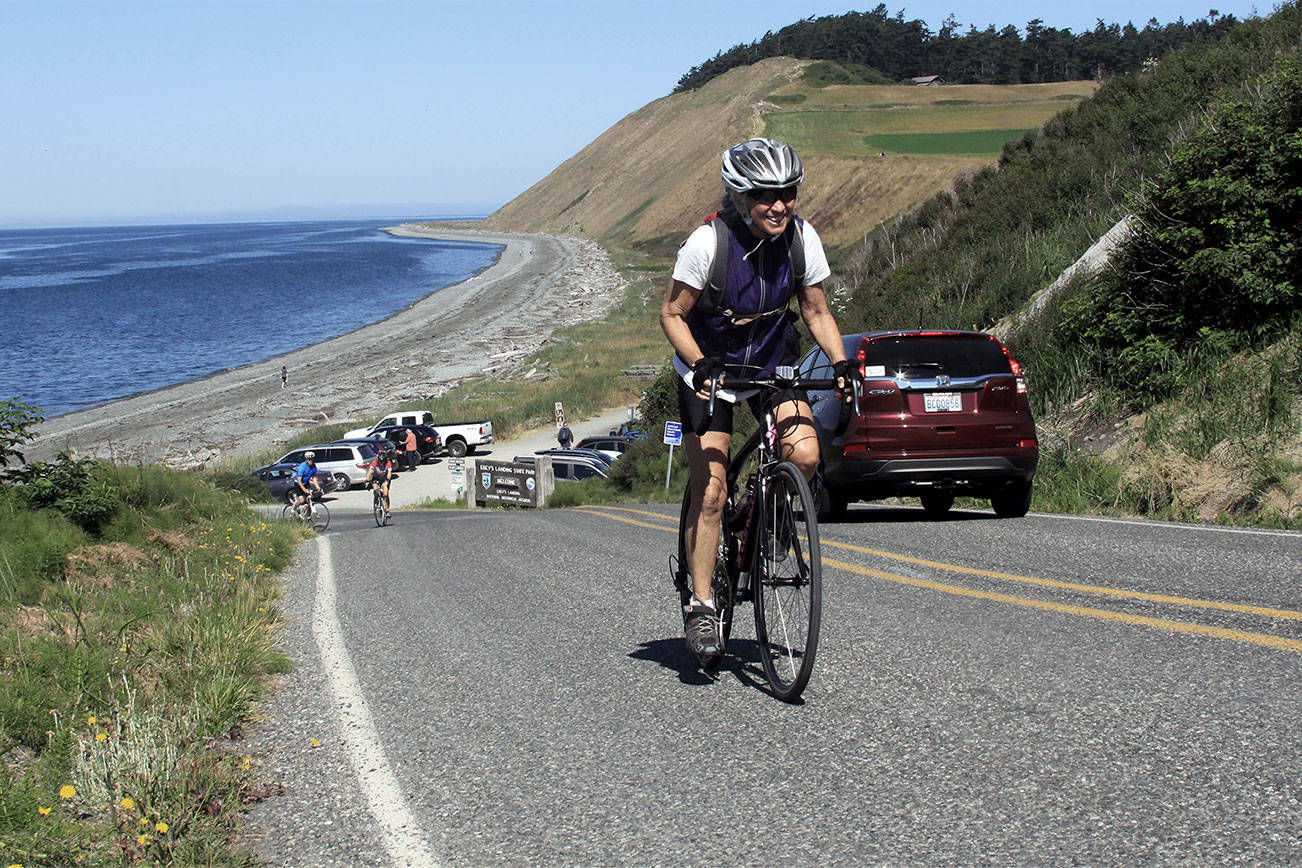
(93, 315)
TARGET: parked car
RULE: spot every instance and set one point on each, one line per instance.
(278, 480)
(944, 413)
(346, 462)
(574, 452)
(375, 444)
(626, 430)
(428, 442)
(570, 467)
(609, 445)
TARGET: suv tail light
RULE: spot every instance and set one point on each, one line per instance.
(1017, 370)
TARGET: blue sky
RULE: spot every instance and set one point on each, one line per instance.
(171, 111)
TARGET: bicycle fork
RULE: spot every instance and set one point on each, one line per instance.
(749, 521)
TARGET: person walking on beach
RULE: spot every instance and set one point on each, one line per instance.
(413, 452)
(284, 376)
(742, 323)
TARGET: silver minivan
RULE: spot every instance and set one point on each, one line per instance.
(346, 462)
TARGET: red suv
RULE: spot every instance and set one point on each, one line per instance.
(943, 413)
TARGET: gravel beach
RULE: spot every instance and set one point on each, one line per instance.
(490, 322)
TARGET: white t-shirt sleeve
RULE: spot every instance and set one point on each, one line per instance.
(697, 255)
(816, 268)
(695, 258)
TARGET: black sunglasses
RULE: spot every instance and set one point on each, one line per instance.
(768, 197)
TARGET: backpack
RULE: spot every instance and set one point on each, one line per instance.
(718, 281)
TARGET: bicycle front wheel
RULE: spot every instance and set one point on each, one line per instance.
(320, 517)
(788, 582)
(377, 506)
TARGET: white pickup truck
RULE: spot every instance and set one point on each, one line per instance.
(459, 438)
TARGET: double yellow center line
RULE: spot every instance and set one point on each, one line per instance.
(1263, 639)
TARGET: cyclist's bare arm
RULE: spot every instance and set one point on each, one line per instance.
(822, 325)
(678, 303)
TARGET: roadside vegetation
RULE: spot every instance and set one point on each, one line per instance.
(137, 628)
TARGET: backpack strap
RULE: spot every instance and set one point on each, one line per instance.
(717, 284)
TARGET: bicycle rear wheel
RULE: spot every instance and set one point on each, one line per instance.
(723, 585)
(788, 582)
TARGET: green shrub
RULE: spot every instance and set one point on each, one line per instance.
(78, 487)
(16, 422)
(34, 545)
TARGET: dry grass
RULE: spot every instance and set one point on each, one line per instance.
(106, 565)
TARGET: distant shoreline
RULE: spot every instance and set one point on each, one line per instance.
(281, 358)
(418, 352)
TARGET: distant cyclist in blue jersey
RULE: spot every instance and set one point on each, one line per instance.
(746, 321)
(305, 480)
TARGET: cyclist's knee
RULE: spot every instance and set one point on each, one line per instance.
(804, 454)
(713, 498)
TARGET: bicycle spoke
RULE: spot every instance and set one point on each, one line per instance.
(788, 584)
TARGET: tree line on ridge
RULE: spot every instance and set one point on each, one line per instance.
(889, 48)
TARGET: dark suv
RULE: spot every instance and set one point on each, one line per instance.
(427, 439)
(943, 413)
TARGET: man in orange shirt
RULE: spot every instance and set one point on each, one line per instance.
(413, 453)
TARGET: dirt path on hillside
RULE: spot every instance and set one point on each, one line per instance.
(489, 322)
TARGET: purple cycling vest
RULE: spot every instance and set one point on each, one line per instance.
(752, 324)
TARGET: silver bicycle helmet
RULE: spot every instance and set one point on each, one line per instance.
(761, 164)
(309, 456)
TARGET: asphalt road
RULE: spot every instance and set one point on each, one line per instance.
(512, 688)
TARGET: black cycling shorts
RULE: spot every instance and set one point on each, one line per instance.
(692, 408)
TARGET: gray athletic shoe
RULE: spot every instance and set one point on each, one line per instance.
(701, 629)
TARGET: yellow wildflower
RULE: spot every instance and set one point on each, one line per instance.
(313, 742)
(67, 791)
(43, 811)
(92, 720)
(160, 827)
(144, 840)
(127, 803)
(101, 736)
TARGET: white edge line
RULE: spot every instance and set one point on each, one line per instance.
(400, 833)
(1211, 528)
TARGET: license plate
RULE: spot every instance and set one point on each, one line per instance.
(942, 402)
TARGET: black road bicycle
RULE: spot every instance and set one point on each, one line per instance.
(768, 544)
(379, 506)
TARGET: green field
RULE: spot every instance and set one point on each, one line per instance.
(942, 144)
(964, 120)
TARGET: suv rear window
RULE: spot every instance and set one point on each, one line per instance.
(924, 356)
